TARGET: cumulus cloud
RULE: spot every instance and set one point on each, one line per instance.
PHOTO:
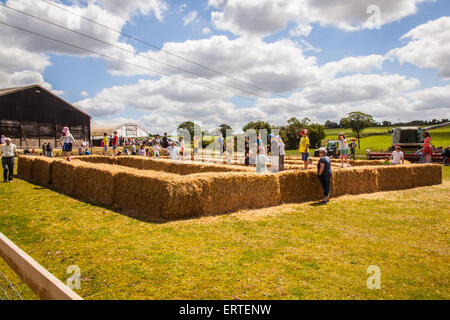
(279, 66)
(355, 64)
(265, 17)
(22, 58)
(431, 99)
(428, 47)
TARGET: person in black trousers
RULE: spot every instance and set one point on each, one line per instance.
(324, 173)
(9, 151)
(247, 152)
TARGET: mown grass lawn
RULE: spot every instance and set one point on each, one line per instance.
(295, 251)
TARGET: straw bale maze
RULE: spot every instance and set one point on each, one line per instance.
(163, 189)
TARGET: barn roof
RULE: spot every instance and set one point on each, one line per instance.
(7, 91)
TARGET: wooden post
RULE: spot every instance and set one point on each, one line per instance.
(43, 283)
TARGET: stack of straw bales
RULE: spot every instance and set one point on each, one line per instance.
(42, 171)
(168, 195)
(25, 167)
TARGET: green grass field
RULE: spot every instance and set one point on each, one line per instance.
(298, 251)
(439, 138)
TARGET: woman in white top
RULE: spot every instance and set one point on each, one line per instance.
(67, 142)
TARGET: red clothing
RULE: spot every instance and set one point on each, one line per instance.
(115, 141)
(427, 150)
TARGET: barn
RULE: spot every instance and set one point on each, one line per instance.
(31, 115)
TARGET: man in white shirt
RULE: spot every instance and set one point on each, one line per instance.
(9, 151)
(397, 156)
(173, 151)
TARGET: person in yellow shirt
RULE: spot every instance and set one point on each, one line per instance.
(304, 148)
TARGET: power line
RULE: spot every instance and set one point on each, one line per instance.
(159, 48)
(129, 51)
(112, 58)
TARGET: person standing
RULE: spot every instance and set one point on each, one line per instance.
(282, 153)
(397, 156)
(115, 143)
(49, 150)
(67, 142)
(221, 144)
(105, 143)
(173, 151)
(44, 149)
(427, 149)
(165, 141)
(2, 140)
(324, 173)
(247, 151)
(352, 147)
(446, 155)
(304, 148)
(343, 150)
(9, 151)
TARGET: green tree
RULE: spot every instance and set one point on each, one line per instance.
(258, 125)
(294, 127)
(223, 129)
(357, 121)
(190, 127)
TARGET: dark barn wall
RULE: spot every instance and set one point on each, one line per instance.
(42, 116)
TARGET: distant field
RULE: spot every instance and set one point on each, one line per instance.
(439, 138)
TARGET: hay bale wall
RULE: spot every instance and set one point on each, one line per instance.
(25, 167)
(42, 171)
(167, 195)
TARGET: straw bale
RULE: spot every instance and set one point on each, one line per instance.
(144, 191)
(214, 193)
(427, 174)
(63, 176)
(42, 170)
(98, 159)
(25, 167)
(300, 186)
(395, 177)
(354, 181)
(95, 182)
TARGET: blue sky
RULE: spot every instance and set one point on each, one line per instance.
(336, 66)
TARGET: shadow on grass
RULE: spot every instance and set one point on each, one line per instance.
(133, 214)
(318, 204)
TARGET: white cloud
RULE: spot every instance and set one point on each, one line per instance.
(431, 99)
(279, 66)
(84, 94)
(428, 47)
(301, 30)
(265, 17)
(125, 9)
(190, 18)
(206, 31)
(355, 64)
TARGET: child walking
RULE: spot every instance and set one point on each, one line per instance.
(67, 142)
